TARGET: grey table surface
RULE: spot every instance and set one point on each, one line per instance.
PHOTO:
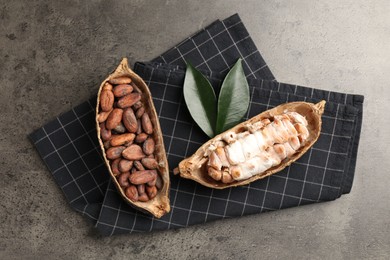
(53, 56)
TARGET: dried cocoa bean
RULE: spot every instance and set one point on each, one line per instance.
(133, 153)
(120, 80)
(107, 144)
(137, 105)
(114, 118)
(102, 116)
(107, 86)
(135, 87)
(149, 163)
(104, 132)
(120, 129)
(123, 139)
(139, 166)
(129, 120)
(140, 112)
(123, 179)
(115, 167)
(132, 193)
(139, 129)
(141, 138)
(143, 197)
(151, 191)
(142, 177)
(159, 182)
(128, 100)
(125, 165)
(147, 124)
(106, 100)
(115, 152)
(122, 90)
(148, 146)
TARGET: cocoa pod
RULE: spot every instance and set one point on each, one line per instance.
(148, 147)
(149, 163)
(140, 138)
(115, 152)
(142, 177)
(128, 100)
(147, 124)
(123, 179)
(106, 100)
(133, 153)
(151, 191)
(115, 167)
(132, 193)
(104, 132)
(122, 139)
(139, 166)
(140, 112)
(120, 80)
(125, 165)
(102, 116)
(114, 118)
(129, 120)
(122, 90)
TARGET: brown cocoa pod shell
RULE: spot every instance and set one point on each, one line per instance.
(159, 205)
(195, 167)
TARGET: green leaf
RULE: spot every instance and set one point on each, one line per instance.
(200, 98)
(233, 99)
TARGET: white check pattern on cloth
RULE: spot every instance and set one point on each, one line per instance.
(69, 147)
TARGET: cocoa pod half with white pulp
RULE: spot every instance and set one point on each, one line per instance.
(121, 94)
(256, 148)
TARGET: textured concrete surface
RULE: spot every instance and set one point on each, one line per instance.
(54, 55)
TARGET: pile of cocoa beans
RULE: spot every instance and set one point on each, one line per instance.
(127, 134)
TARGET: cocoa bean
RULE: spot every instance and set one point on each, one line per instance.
(129, 120)
(102, 116)
(133, 153)
(149, 163)
(115, 152)
(120, 80)
(143, 197)
(125, 165)
(114, 118)
(128, 100)
(139, 128)
(120, 129)
(132, 193)
(107, 86)
(141, 189)
(122, 90)
(151, 191)
(104, 132)
(148, 147)
(123, 139)
(147, 124)
(137, 105)
(139, 166)
(106, 100)
(140, 112)
(123, 179)
(115, 167)
(159, 182)
(141, 138)
(142, 177)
